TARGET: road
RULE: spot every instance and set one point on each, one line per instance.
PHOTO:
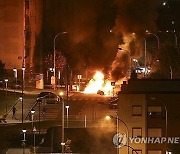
(83, 107)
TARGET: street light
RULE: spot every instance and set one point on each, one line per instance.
(67, 112)
(24, 140)
(15, 82)
(129, 56)
(23, 73)
(117, 123)
(55, 56)
(24, 134)
(158, 42)
(170, 68)
(166, 112)
(6, 84)
(175, 36)
(62, 141)
(32, 116)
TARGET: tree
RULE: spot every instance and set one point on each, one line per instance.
(60, 60)
(2, 70)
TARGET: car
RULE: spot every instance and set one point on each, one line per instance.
(113, 103)
(100, 92)
(48, 97)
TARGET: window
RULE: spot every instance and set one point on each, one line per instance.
(137, 110)
(154, 111)
(136, 132)
(154, 132)
(154, 152)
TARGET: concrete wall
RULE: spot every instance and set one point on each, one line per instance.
(125, 104)
(11, 32)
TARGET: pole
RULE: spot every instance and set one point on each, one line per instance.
(23, 69)
(117, 123)
(67, 85)
(145, 56)
(67, 116)
(39, 115)
(62, 126)
(55, 61)
(55, 56)
(85, 121)
(6, 97)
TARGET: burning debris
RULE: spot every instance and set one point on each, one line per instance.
(99, 83)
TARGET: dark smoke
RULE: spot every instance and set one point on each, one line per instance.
(89, 44)
(133, 16)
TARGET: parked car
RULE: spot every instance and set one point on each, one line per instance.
(113, 103)
(48, 97)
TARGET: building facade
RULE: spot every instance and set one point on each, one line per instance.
(20, 33)
(150, 109)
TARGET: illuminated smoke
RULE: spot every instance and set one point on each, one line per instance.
(134, 17)
(88, 23)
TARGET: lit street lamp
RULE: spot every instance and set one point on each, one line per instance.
(67, 112)
(24, 140)
(158, 42)
(23, 74)
(55, 56)
(32, 116)
(15, 82)
(6, 84)
(175, 36)
(166, 112)
(24, 134)
(62, 141)
(129, 56)
(117, 124)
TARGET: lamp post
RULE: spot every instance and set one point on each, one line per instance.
(55, 56)
(6, 84)
(166, 119)
(24, 140)
(23, 73)
(15, 82)
(170, 68)
(175, 36)
(34, 138)
(158, 42)
(32, 116)
(117, 123)
(62, 141)
(67, 114)
(24, 134)
(129, 56)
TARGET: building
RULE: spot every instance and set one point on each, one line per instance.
(20, 32)
(150, 109)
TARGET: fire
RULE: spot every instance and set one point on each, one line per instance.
(98, 83)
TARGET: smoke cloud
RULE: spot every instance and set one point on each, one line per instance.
(88, 23)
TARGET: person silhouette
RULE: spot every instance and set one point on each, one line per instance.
(14, 112)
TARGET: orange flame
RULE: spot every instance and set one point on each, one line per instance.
(98, 83)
